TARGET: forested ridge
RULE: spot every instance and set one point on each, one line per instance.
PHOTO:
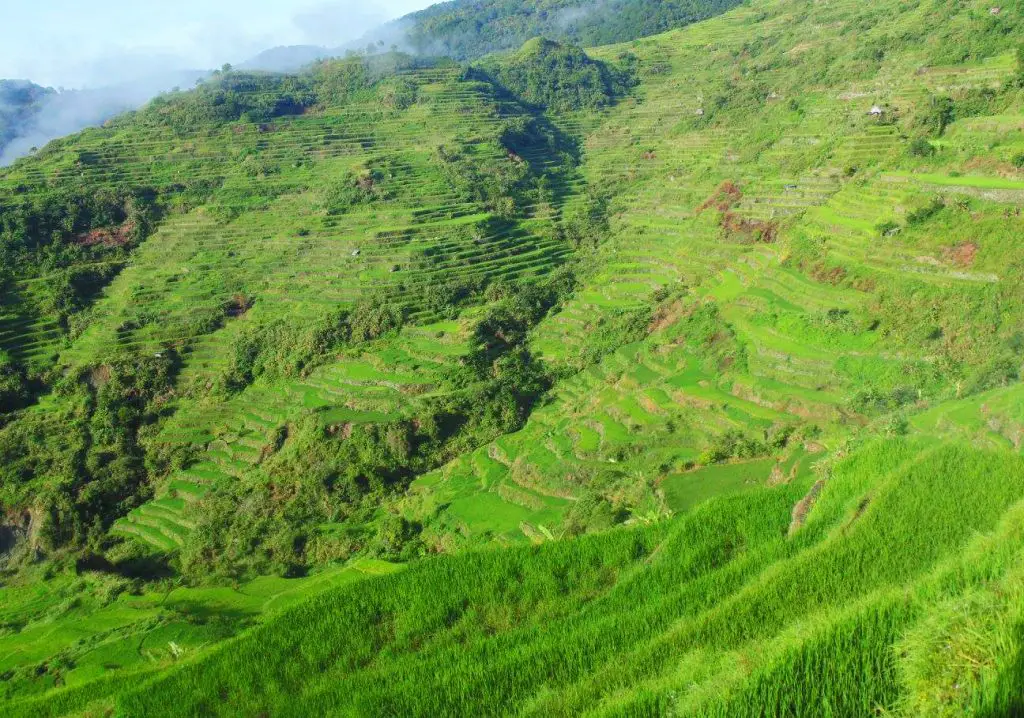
(466, 29)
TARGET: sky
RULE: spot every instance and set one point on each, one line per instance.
(76, 44)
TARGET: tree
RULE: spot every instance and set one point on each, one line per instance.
(939, 114)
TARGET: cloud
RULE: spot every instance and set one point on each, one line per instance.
(335, 24)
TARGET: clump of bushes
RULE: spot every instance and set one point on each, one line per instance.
(500, 186)
(936, 115)
(231, 96)
(926, 212)
(586, 225)
(398, 93)
(888, 228)
(874, 400)
(283, 348)
(737, 444)
(352, 190)
(98, 470)
(620, 328)
(500, 380)
(447, 298)
(319, 504)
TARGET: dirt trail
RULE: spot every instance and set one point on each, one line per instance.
(804, 506)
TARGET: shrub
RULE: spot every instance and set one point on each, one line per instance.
(936, 116)
(923, 214)
(373, 319)
(873, 400)
(887, 229)
(921, 147)
(398, 93)
(351, 191)
(586, 224)
(233, 96)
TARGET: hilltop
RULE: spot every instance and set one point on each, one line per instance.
(677, 376)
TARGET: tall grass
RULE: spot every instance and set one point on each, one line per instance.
(564, 627)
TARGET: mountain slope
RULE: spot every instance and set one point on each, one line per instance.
(409, 222)
(709, 388)
(467, 28)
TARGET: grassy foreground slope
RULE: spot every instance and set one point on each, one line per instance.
(761, 453)
(733, 609)
(97, 633)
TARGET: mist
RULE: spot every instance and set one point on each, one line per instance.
(65, 112)
(160, 47)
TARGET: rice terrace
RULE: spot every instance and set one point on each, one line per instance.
(539, 358)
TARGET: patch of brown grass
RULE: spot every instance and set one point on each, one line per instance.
(667, 315)
(107, 237)
(962, 255)
(723, 199)
(750, 230)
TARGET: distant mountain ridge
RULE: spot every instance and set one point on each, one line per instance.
(466, 29)
(288, 58)
(469, 29)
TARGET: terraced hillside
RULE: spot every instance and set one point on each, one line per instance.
(789, 264)
(691, 389)
(312, 268)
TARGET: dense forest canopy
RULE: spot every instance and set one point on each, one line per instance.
(470, 28)
(548, 75)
